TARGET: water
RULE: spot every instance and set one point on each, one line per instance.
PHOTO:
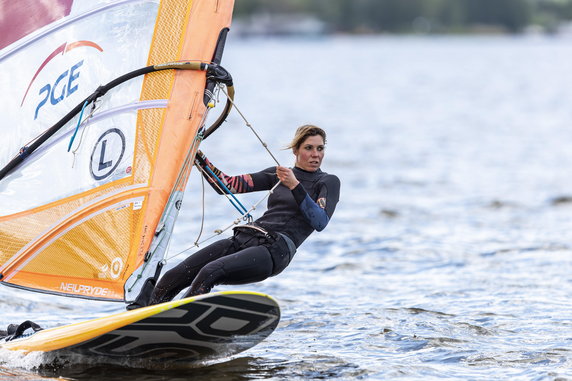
(449, 256)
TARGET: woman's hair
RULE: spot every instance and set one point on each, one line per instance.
(303, 132)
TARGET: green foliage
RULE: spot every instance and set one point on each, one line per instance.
(397, 16)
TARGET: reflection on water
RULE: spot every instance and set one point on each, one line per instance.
(449, 254)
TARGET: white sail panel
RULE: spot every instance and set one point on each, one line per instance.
(59, 65)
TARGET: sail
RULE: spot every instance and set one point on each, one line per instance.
(85, 212)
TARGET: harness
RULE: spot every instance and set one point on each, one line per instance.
(270, 236)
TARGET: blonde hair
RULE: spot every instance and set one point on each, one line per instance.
(303, 132)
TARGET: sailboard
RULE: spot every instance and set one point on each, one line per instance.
(105, 106)
(201, 328)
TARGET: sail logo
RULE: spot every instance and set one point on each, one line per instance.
(107, 153)
(62, 84)
(114, 270)
(85, 289)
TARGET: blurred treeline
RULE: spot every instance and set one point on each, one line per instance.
(430, 16)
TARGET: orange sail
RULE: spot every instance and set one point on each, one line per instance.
(89, 213)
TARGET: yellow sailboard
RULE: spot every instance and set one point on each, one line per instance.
(204, 327)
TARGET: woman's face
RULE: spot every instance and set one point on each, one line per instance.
(310, 154)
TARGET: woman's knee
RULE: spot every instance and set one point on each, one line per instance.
(208, 277)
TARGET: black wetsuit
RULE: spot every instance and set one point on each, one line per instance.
(250, 255)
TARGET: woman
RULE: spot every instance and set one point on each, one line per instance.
(303, 202)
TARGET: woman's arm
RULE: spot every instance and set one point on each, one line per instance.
(235, 184)
(319, 212)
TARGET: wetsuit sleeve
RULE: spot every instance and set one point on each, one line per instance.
(319, 212)
(265, 179)
(235, 184)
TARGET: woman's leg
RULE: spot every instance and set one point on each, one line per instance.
(250, 265)
(182, 275)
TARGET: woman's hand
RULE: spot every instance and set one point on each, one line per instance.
(287, 177)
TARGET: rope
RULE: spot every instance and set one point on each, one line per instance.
(250, 126)
(94, 107)
(203, 211)
(77, 125)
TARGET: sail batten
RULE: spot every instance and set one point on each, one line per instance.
(81, 223)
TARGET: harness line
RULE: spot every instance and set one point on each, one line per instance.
(249, 125)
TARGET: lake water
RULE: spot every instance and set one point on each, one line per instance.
(450, 253)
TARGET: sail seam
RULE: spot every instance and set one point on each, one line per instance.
(60, 234)
(68, 216)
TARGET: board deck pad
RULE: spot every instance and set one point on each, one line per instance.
(200, 328)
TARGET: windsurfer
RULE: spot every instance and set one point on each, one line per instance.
(303, 202)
